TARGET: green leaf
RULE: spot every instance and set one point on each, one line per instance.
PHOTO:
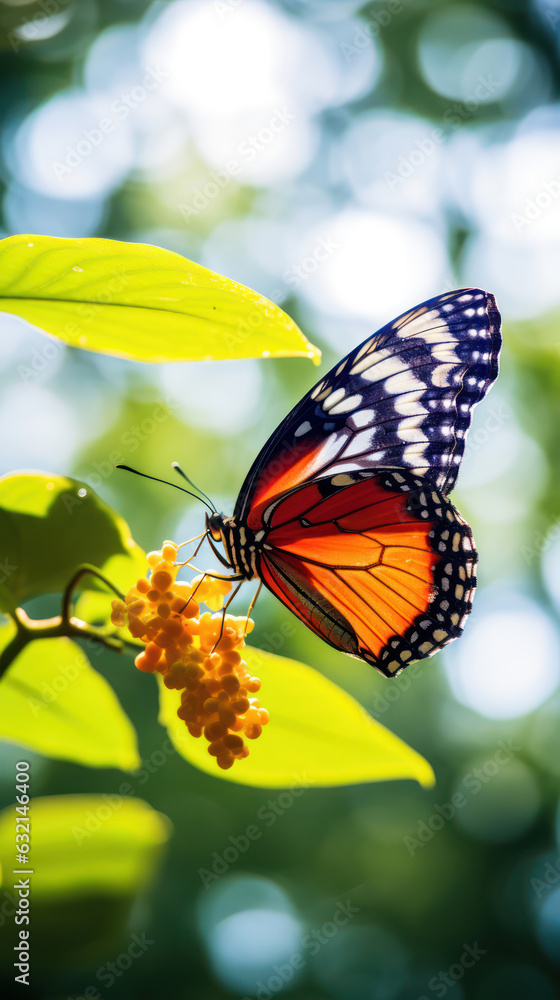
(317, 734)
(87, 844)
(140, 302)
(49, 525)
(54, 702)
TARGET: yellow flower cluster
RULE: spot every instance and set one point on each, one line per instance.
(197, 654)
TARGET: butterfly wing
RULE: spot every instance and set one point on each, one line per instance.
(379, 565)
(403, 399)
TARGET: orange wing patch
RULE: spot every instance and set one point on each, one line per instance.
(288, 470)
(390, 580)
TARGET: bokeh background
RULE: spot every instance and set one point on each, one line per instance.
(347, 162)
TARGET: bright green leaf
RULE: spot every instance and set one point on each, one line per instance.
(87, 844)
(49, 525)
(317, 734)
(54, 702)
(140, 302)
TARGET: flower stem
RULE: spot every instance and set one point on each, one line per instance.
(65, 624)
(84, 570)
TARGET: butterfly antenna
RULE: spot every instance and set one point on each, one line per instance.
(179, 470)
(144, 475)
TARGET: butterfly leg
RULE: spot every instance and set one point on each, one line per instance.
(187, 562)
(219, 576)
(252, 605)
(224, 609)
(195, 539)
(215, 576)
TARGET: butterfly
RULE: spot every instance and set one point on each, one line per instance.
(344, 514)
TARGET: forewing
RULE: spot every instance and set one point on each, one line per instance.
(380, 566)
(403, 399)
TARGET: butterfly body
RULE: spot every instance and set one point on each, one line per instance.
(240, 545)
(344, 514)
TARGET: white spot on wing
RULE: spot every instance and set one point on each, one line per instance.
(419, 325)
(351, 466)
(302, 429)
(361, 418)
(346, 404)
(318, 388)
(440, 375)
(327, 453)
(333, 398)
(360, 442)
(383, 364)
(414, 453)
(408, 405)
(402, 382)
(366, 348)
(445, 352)
(409, 430)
